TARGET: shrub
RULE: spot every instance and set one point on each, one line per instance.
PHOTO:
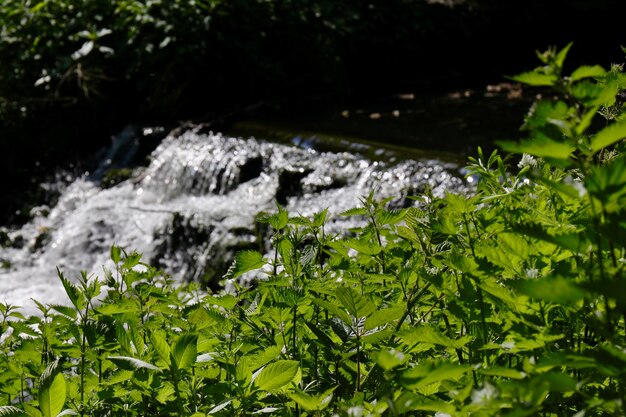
(506, 302)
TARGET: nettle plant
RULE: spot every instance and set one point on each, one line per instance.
(509, 301)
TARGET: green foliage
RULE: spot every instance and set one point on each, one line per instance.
(508, 301)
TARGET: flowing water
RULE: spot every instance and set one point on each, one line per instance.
(193, 207)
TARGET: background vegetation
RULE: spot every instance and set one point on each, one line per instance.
(74, 72)
(505, 302)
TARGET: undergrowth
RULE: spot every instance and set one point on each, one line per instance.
(507, 302)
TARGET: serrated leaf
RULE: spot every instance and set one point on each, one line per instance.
(390, 216)
(540, 146)
(502, 372)
(608, 136)
(245, 261)
(356, 211)
(165, 393)
(266, 410)
(276, 375)
(72, 291)
(160, 344)
(384, 316)
(376, 337)
(409, 401)
(363, 246)
(122, 307)
(219, 407)
(68, 412)
(535, 78)
(10, 411)
(185, 351)
(552, 289)
(52, 396)
(357, 305)
(389, 358)
(131, 364)
(427, 373)
(312, 402)
(115, 254)
(587, 71)
(426, 334)
(65, 310)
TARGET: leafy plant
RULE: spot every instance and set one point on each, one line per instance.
(508, 301)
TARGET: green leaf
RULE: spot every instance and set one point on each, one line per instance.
(245, 261)
(119, 307)
(185, 351)
(389, 358)
(409, 402)
(357, 305)
(426, 334)
(363, 246)
(429, 372)
(160, 345)
(131, 364)
(74, 294)
(384, 316)
(219, 407)
(552, 289)
(608, 184)
(52, 395)
(562, 54)
(312, 402)
(540, 146)
(115, 254)
(608, 136)
(10, 411)
(502, 372)
(570, 241)
(356, 211)
(65, 310)
(68, 412)
(276, 375)
(535, 78)
(587, 71)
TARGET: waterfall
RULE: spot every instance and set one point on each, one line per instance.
(193, 207)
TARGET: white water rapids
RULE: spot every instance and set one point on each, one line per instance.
(192, 207)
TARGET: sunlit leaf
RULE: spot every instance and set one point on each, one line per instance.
(535, 78)
(553, 289)
(185, 351)
(608, 136)
(276, 375)
(129, 363)
(587, 71)
(246, 261)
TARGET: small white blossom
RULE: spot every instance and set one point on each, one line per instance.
(508, 345)
(527, 161)
(484, 395)
(532, 273)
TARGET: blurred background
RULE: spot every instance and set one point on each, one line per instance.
(421, 74)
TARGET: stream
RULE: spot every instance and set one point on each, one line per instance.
(188, 200)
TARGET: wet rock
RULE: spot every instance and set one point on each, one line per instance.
(290, 183)
(42, 239)
(5, 240)
(115, 176)
(250, 169)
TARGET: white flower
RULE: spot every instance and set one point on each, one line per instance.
(440, 414)
(532, 273)
(527, 161)
(484, 395)
(508, 345)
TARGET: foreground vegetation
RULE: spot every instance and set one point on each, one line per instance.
(506, 302)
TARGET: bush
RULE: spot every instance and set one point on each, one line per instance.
(506, 302)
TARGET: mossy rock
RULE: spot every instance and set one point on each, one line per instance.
(115, 176)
